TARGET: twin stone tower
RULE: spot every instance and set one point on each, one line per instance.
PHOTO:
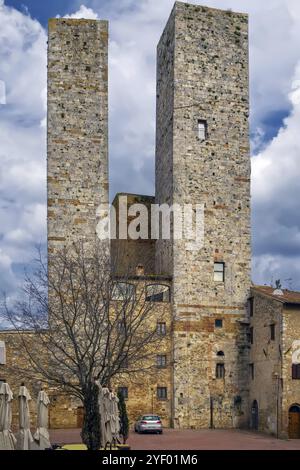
(202, 157)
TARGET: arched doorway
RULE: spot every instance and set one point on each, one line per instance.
(254, 415)
(294, 422)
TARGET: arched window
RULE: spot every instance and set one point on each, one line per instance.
(123, 291)
(157, 293)
(220, 354)
(294, 409)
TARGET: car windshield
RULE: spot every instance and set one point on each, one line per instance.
(150, 418)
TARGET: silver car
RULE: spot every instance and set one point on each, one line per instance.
(148, 423)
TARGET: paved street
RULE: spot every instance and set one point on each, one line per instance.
(174, 439)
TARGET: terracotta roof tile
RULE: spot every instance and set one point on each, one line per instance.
(288, 296)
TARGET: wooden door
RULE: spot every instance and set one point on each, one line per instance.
(80, 416)
(254, 416)
(294, 422)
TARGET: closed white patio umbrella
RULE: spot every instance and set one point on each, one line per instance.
(41, 436)
(24, 437)
(102, 412)
(7, 439)
(115, 418)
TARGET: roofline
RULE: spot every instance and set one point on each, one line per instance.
(133, 194)
(144, 277)
(273, 297)
(224, 10)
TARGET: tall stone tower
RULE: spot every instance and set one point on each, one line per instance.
(77, 128)
(202, 157)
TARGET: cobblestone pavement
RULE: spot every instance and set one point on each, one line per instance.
(175, 439)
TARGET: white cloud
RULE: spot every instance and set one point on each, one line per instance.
(23, 141)
(83, 12)
(276, 197)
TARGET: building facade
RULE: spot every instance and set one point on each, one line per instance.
(274, 368)
(202, 157)
(216, 365)
(77, 137)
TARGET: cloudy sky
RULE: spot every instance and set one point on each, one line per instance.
(135, 27)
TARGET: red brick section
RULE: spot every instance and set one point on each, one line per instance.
(174, 439)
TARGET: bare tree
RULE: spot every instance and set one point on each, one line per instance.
(85, 325)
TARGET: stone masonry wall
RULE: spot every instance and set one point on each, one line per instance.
(127, 254)
(203, 75)
(290, 343)
(265, 356)
(164, 138)
(77, 128)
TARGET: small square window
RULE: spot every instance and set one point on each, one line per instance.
(219, 323)
(162, 393)
(161, 361)
(219, 272)
(251, 335)
(296, 371)
(250, 306)
(202, 130)
(124, 362)
(123, 391)
(272, 332)
(220, 371)
(161, 328)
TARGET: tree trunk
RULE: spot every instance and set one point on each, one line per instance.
(91, 429)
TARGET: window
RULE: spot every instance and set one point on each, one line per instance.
(219, 323)
(251, 335)
(202, 130)
(161, 329)
(220, 354)
(220, 371)
(296, 371)
(123, 391)
(162, 393)
(157, 293)
(123, 291)
(2, 353)
(161, 361)
(124, 362)
(250, 306)
(272, 332)
(251, 371)
(121, 326)
(219, 272)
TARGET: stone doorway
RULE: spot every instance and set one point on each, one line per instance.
(294, 422)
(254, 416)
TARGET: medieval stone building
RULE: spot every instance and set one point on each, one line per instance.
(209, 374)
